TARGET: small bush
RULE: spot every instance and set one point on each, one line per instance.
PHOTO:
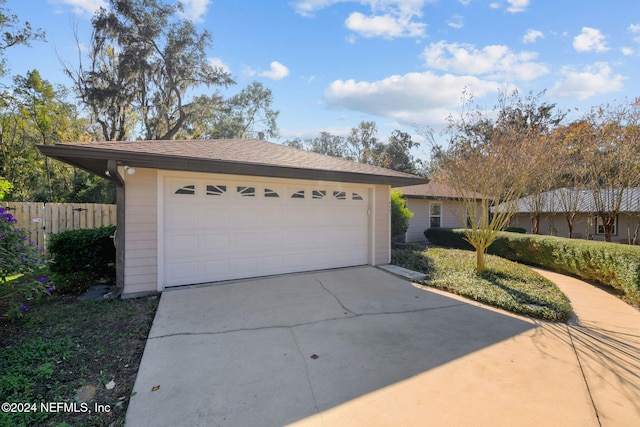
(400, 216)
(520, 230)
(447, 237)
(609, 264)
(80, 256)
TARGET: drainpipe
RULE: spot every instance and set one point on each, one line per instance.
(112, 172)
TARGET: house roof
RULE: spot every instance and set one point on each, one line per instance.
(230, 156)
(556, 201)
(433, 191)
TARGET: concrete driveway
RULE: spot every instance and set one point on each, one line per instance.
(355, 346)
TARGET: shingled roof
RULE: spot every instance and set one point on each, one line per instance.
(230, 156)
(432, 191)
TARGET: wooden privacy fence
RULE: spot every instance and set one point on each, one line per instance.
(43, 219)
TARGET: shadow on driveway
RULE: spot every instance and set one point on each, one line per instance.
(273, 351)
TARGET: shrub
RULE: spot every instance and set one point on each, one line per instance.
(24, 261)
(80, 256)
(448, 238)
(609, 264)
(520, 230)
(400, 215)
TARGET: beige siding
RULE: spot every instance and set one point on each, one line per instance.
(141, 269)
(420, 221)
(382, 225)
(583, 226)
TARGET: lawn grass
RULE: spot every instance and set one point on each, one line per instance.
(504, 284)
(66, 350)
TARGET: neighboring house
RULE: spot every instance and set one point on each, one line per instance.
(205, 211)
(554, 206)
(433, 205)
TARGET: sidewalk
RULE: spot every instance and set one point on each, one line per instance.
(606, 336)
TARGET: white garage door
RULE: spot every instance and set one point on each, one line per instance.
(221, 229)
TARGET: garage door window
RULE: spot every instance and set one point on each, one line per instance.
(356, 196)
(246, 191)
(270, 193)
(187, 189)
(319, 194)
(298, 194)
(340, 195)
(216, 190)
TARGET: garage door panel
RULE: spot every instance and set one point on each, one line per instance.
(272, 239)
(181, 245)
(182, 218)
(183, 273)
(216, 268)
(272, 264)
(243, 241)
(215, 217)
(247, 215)
(228, 233)
(216, 244)
(245, 266)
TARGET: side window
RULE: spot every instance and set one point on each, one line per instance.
(600, 228)
(435, 214)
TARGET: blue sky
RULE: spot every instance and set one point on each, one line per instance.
(334, 63)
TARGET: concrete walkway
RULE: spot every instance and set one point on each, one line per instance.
(354, 347)
(605, 334)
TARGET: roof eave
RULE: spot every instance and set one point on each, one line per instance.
(95, 160)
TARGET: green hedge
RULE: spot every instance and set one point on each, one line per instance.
(81, 256)
(609, 264)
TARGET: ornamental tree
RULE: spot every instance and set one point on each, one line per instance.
(490, 162)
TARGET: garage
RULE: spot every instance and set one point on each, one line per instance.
(202, 211)
(219, 228)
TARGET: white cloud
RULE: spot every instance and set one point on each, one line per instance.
(593, 80)
(194, 10)
(218, 63)
(409, 98)
(516, 6)
(388, 18)
(386, 26)
(83, 7)
(590, 39)
(532, 35)
(456, 21)
(277, 71)
(635, 29)
(627, 51)
(494, 61)
(513, 6)
(308, 7)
